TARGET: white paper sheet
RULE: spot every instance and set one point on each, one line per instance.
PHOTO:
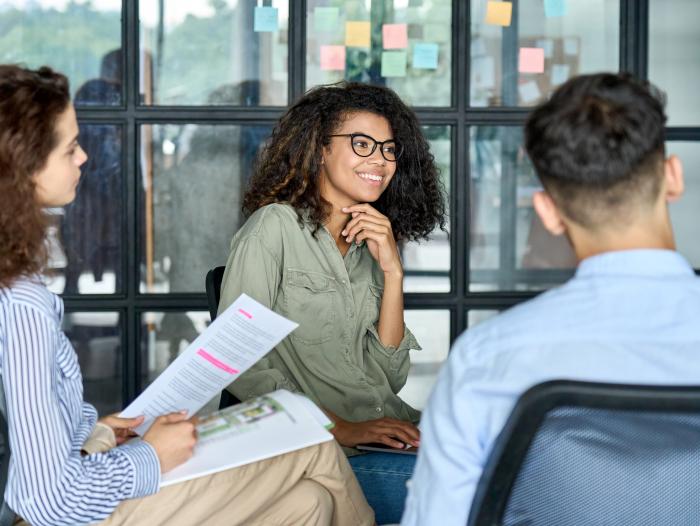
(238, 338)
(262, 428)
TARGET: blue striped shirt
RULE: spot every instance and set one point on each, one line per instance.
(49, 482)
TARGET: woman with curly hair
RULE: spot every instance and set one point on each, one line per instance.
(65, 466)
(346, 175)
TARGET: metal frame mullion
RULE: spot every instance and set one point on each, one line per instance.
(634, 36)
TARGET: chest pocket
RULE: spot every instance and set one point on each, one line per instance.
(310, 300)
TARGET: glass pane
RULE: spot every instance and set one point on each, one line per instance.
(205, 52)
(193, 181)
(684, 212)
(432, 330)
(518, 59)
(674, 56)
(427, 263)
(96, 337)
(509, 247)
(164, 335)
(476, 316)
(86, 236)
(77, 38)
(403, 44)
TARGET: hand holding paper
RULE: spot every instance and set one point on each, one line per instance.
(238, 338)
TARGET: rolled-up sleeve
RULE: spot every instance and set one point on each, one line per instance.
(394, 361)
(254, 268)
(49, 482)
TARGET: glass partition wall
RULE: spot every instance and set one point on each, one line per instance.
(176, 98)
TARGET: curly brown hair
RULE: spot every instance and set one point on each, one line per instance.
(289, 166)
(30, 104)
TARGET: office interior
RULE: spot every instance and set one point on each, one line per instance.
(175, 99)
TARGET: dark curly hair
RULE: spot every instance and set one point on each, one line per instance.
(30, 104)
(289, 165)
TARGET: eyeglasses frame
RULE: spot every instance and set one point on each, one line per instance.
(376, 143)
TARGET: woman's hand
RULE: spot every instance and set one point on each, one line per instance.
(123, 427)
(389, 431)
(368, 224)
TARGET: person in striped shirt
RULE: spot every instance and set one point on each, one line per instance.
(66, 466)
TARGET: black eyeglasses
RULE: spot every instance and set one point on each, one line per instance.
(364, 146)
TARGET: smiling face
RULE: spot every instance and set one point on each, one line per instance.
(347, 178)
(57, 180)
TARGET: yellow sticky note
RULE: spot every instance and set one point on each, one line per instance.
(499, 13)
(357, 34)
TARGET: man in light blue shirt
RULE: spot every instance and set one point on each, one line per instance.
(631, 313)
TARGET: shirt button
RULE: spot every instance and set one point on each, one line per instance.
(379, 409)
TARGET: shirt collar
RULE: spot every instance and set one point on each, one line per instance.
(641, 262)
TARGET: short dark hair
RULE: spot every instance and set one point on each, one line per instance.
(598, 145)
(31, 102)
(289, 165)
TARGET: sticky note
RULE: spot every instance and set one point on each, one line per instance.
(357, 34)
(436, 32)
(554, 8)
(560, 74)
(478, 47)
(394, 36)
(483, 72)
(570, 46)
(333, 58)
(325, 19)
(265, 19)
(499, 13)
(393, 63)
(531, 60)
(529, 92)
(547, 44)
(425, 55)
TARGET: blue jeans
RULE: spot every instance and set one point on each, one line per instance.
(383, 477)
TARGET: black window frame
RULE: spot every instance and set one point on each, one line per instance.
(131, 303)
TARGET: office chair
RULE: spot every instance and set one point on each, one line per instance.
(585, 454)
(7, 516)
(213, 285)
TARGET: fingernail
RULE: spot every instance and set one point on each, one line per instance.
(344, 233)
(344, 209)
(347, 239)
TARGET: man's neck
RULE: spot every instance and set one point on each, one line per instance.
(639, 235)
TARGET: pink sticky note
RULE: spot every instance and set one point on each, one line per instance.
(395, 36)
(333, 58)
(531, 60)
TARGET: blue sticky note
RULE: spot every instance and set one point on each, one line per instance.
(425, 55)
(553, 8)
(265, 20)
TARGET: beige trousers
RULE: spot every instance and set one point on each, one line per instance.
(312, 486)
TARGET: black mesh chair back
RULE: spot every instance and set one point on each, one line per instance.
(579, 453)
(213, 286)
(7, 516)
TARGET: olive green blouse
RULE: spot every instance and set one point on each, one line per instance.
(335, 356)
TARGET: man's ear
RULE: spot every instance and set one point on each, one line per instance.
(673, 176)
(548, 213)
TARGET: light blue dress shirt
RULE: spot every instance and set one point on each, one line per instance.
(625, 317)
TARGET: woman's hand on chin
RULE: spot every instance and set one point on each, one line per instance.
(373, 227)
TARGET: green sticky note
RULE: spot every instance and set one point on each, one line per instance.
(393, 64)
(325, 19)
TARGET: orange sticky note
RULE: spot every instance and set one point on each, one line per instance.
(395, 36)
(499, 13)
(531, 60)
(357, 34)
(333, 58)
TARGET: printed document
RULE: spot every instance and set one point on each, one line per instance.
(235, 340)
(261, 428)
